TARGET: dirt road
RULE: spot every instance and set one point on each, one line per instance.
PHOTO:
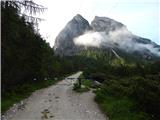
(59, 102)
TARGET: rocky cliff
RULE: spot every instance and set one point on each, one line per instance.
(114, 30)
(64, 44)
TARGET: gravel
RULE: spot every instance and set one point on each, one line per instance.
(57, 102)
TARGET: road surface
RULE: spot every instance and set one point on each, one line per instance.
(58, 102)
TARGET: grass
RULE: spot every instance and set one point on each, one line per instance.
(119, 108)
(87, 83)
(85, 86)
(21, 92)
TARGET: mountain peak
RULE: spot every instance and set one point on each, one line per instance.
(79, 17)
(117, 34)
(74, 28)
(105, 24)
(98, 18)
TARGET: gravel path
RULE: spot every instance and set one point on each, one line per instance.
(58, 102)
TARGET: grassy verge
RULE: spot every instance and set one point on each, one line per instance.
(121, 108)
(23, 91)
(85, 85)
(129, 98)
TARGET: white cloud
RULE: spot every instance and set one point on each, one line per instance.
(92, 39)
(140, 16)
(122, 38)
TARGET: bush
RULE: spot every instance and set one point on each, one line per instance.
(85, 85)
(145, 92)
(76, 86)
(100, 77)
(119, 108)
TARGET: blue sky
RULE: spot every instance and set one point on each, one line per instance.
(140, 16)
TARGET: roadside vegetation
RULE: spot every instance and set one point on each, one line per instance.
(130, 88)
(20, 92)
(82, 84)
(128, 92)
(28, 61)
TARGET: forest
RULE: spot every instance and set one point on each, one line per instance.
(29, 63)
(27, 59)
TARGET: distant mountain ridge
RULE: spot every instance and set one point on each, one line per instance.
(65, 46)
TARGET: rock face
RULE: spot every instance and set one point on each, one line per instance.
(101, 24)
(64, 44)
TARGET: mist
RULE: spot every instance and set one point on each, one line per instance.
(120, 38)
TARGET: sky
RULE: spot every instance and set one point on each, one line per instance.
(142, 17)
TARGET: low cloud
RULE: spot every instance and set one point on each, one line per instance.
(90, 39)
(121, 38)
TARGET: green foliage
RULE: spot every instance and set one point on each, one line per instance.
(26, 57)
(81, 89)
(146, 91)
(85, 85)
(130, 87)
(119, 108)
(20, 92)
(76, 86)
(21, 49)
(137, 82)
(143, 92)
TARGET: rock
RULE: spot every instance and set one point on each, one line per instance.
(101, 24)
(64, 44)
(126, 45)
(96, 84)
